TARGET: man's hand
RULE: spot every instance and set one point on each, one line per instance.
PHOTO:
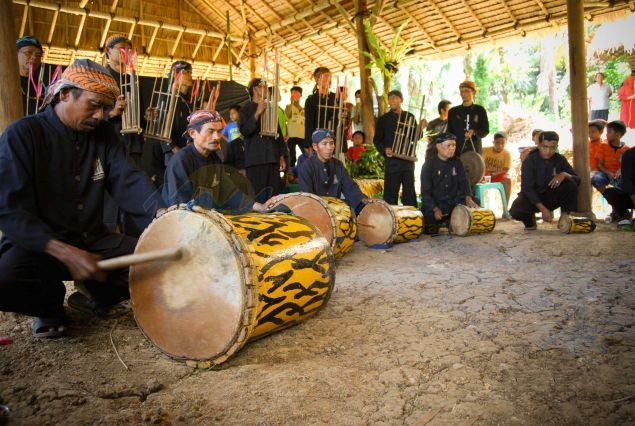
(438, 214)
(557, 180)
(81, 264)
(120, 106)
(471, 203)
(545, 212)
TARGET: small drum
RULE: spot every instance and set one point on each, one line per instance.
(332, 216)
(465, 220)
(381, 224)
(240, 277)
(578, 224)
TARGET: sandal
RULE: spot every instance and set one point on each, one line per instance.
(89, 306)
(49, 327)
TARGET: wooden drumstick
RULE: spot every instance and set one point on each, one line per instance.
(366, 225)
(137, 258)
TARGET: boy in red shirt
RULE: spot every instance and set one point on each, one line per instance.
(609, 157)
(354, 152)
(596, 128)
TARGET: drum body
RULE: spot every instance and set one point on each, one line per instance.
(575, 224)
(241, 277)
(465, 220)
(381, 224)
(332, 216)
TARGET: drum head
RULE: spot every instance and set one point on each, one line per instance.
(377, 223)
(315, 210)
(460, 220)
(474, 166)
(193, 308)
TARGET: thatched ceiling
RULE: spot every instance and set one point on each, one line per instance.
(307, 33)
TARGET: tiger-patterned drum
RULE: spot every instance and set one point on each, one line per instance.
(466, 220)
(576, 223)
(381, 224)
(332, 216)
(241, 277)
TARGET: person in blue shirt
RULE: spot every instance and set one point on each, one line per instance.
(231, 130)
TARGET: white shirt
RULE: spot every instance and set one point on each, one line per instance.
(599, 96)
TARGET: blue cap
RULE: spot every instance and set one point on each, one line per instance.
(320, 134)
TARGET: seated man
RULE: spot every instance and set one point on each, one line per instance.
(55, 167)
(197, 172)
(324, 175)
(498, 161)
(444, 184)
(608, 157)
(622, 199)
(548, 182)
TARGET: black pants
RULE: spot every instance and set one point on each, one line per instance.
(564, 196)
(265, 179)
(31, 282)
(291, 144)
(619, 200)
(401, 179)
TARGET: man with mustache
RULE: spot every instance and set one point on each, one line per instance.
(55, 167)
(196, 173)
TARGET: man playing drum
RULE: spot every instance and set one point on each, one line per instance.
(54, 168)
(548, 182)
(197, 172)
(397, 127)
(444, 184)
(324, 175)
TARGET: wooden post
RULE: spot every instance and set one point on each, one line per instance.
(579, 113)
(10, 92)
(252, 58)
(368, 116)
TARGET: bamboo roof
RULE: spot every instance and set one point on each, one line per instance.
(306, 33)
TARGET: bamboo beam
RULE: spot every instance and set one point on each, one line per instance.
(198, 45)
(152, 38)
(56, 14)
(80, 29)
(579, 113)
(104, 33)
(25, 13)
(176, 42)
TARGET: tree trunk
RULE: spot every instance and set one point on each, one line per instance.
(11, 107)
(368, 115)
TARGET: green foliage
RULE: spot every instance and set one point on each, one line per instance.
(370, 165)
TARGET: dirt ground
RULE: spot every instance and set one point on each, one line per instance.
(507, 328)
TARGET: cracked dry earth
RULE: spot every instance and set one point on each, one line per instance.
(509, 328)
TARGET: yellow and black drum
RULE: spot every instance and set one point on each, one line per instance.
(577, 223)
(240, 277)
(381, 224)
(332, 216)
(370, 187)
(466, 220)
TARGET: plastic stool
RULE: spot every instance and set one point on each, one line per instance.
(481, 188)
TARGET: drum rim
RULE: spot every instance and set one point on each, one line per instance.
(322, 203)
(245, 322)
(388, 207)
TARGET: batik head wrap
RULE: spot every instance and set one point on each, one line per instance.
(200, 117)
(86, 75)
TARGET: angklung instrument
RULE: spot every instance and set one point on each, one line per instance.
(160, 114)
(129, 87)
(331, 112)
(270, 91)
(408, 133)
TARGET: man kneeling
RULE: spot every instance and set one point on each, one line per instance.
(548, 182)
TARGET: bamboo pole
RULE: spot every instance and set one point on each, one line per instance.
(579, 113)
(11, 107)
(368, 117)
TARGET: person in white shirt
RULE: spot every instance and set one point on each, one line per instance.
(599, 94)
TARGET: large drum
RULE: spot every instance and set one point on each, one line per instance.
(578, 223)
(332, 216)
(381, 224)
(466, 221)
(240, 277)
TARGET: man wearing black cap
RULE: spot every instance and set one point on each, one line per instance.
(156, 152)
(322, 174)
(444, 184)
(397, 127)
(264, 155)
(468, 121)
(32, 79)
